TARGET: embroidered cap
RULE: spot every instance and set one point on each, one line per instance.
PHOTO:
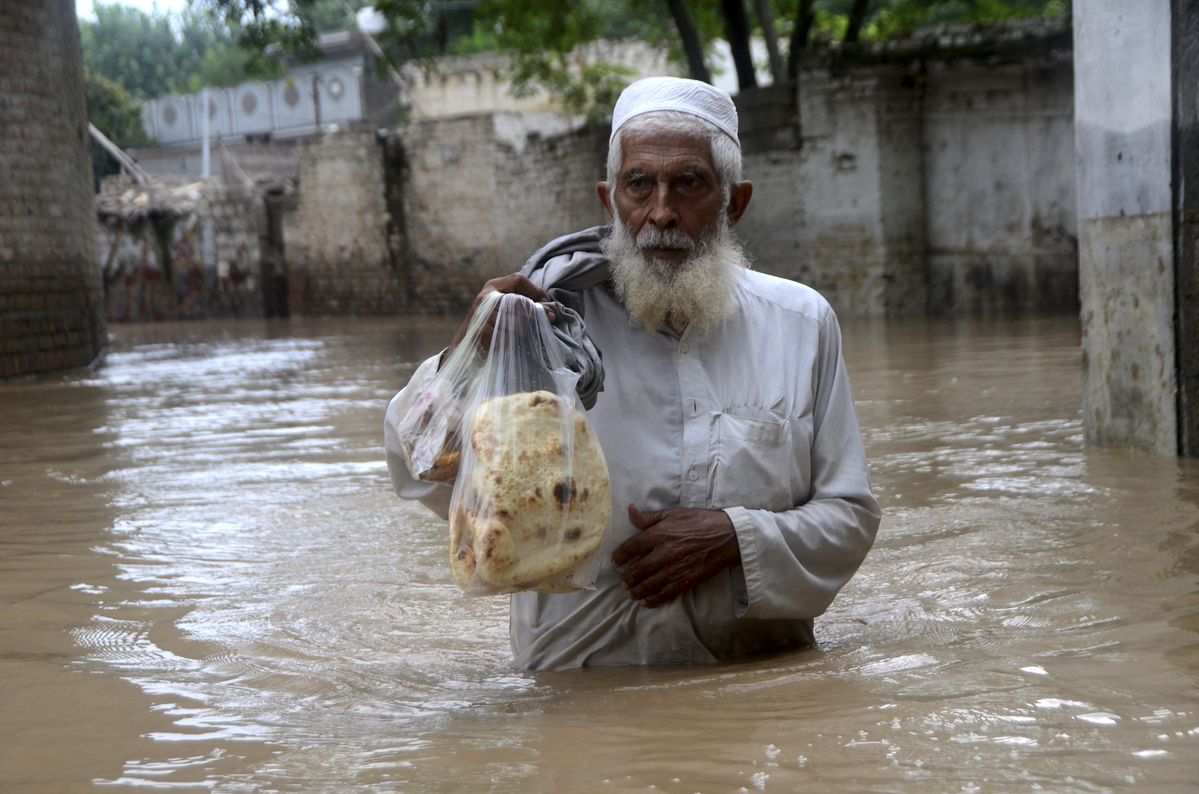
(676, 93)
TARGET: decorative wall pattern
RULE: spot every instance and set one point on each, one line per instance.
(304, 101)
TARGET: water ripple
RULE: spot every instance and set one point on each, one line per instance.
(1026, 620)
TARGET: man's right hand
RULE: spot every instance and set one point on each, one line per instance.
(504, 284)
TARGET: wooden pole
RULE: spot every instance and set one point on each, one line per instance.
(127, 163)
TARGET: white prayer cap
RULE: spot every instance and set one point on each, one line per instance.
(676, 93)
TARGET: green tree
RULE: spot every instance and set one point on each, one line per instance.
(542, 37)
(901, 17)
(131, 56)
(211, 53)
(133, 49)
(875, 20)
(150, 55)
(327, 15)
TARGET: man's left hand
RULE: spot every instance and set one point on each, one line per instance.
(676, 550)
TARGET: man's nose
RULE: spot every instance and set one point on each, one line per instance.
(662, 211)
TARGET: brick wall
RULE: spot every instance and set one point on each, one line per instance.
(478, 194)
(338, 239)
(946, 192)
(275, 159)
(50, 294)
(448, 200)
(546, 188)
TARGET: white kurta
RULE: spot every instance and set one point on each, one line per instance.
(757, 419)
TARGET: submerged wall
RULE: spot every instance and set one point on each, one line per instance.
(947, 191)
(899, 193)
(338, 232)
(1184, 68)
(1000, 187)
(481, 193)
(1137, 222)
(51, 314)
(844, 212)
(950, 191)
(188, 251)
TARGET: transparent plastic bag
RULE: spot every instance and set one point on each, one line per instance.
(430, 433)
(531, 499)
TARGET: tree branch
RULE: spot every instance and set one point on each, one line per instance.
(736, 31)
(766, 19)
(800, 33)
(690, 39)
(857, 16)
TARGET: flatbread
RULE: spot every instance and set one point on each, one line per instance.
(462, 553)
(538, 498)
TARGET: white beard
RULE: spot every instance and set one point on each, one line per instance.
(697, 293)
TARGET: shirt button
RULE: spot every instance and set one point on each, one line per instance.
(683, 347)
(693, 475)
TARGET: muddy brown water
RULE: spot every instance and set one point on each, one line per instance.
(206, 584)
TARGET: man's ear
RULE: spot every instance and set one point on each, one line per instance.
(739, 196)
(601, 190)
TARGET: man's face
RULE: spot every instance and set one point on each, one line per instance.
(673, 262)
(667, 183)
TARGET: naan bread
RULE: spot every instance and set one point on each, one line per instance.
(529, 512)
(462, 554)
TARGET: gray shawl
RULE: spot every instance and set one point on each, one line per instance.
(563, 268)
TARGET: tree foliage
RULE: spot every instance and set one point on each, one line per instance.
(150, 55)
(130, 56)
(885, 19)
(543, 38)
(541, 34)
(328, 15)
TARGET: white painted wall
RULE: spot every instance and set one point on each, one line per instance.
(284, 108)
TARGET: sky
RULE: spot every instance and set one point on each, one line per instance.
(83, 8)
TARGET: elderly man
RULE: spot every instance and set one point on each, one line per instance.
(743, 501)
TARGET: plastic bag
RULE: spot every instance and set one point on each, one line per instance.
(430, 433)
(531, 499)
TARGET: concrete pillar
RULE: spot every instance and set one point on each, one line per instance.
(51, 298)
(1137, 313)
(1185, 55)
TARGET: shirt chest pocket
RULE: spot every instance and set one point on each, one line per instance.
(755, 464)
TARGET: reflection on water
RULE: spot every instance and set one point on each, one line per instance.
(205, 582)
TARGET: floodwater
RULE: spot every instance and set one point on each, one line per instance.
(206, 584)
